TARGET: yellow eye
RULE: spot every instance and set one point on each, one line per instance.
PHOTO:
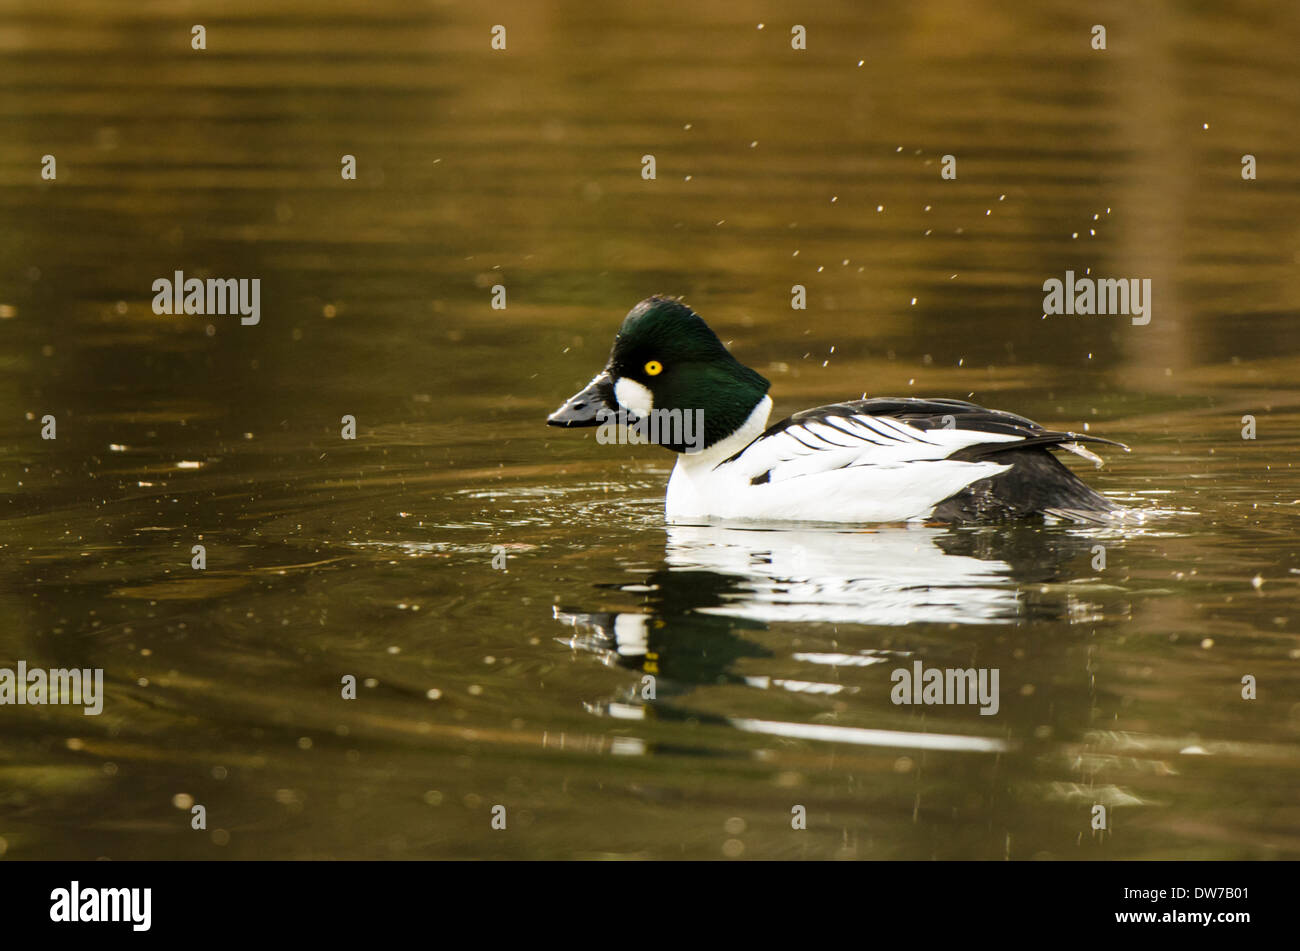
(654, 368)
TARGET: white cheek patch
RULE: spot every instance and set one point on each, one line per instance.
(634, 397)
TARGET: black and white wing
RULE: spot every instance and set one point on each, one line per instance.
(894, 432)
(886, 459)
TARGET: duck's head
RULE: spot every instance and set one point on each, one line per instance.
(666, 358)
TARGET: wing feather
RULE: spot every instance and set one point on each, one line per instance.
(890, 433)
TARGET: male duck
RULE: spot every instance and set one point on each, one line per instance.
(868, 460)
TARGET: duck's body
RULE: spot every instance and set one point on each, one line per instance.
(881, 460)
(870, 460)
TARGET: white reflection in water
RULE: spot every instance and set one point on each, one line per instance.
(890, 576)
(863, 737)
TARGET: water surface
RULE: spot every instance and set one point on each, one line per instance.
(771, 650)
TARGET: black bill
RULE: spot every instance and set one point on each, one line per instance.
(582, 408)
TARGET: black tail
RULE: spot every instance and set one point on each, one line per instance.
(1036, 484)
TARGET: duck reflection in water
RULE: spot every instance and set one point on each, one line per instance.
(720, 588)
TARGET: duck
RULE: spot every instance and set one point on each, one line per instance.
(862, 461)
